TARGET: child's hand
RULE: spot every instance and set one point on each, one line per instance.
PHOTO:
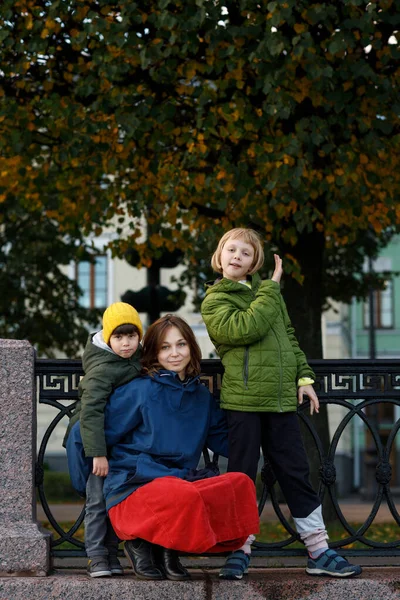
(100, 466)
(277, 274)
(309, 390)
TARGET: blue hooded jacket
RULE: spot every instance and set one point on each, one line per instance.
(155, 426)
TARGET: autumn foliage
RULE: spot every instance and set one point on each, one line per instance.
(279, 115)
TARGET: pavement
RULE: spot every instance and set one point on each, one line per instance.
(261, 584)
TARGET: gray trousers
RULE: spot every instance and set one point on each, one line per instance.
(100, 538)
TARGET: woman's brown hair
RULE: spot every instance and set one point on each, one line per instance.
(154, 337)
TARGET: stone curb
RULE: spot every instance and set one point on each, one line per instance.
(380, 583)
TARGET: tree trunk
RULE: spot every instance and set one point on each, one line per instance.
(304, 303)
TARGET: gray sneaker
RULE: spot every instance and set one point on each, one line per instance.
(98, 567)
(331, 564)
(115, 565)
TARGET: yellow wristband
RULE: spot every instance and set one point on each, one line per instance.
(305, 381)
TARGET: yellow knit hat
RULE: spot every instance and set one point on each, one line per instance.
(118, 314)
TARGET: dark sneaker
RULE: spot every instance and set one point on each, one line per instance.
(115, 565)
(236, 565)
(98, 567)
(331, 564)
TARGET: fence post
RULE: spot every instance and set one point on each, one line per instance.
(24, 546)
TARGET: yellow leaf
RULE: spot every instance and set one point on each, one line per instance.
(299, 27)
(50, 24)
(156, 240)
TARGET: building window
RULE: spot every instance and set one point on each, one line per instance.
(92, 279)
(383, 308)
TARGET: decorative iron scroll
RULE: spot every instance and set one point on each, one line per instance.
(357, 386)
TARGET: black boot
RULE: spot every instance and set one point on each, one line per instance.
(171, 565)
(140, 554)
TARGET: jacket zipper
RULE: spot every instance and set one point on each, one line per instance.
(280, 372)
(246, 367)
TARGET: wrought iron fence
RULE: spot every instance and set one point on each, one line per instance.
(359, 387)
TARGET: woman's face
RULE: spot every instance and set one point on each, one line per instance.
(174, 353)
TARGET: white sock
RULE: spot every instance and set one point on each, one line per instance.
(246, 548)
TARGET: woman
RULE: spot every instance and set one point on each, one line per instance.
(156, 428)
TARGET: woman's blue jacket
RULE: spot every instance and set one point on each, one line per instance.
(155, 426)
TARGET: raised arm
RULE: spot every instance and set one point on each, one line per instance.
(227, 324)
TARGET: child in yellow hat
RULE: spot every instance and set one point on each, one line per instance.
(111, 358)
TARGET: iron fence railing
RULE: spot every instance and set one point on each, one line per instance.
(357, 387)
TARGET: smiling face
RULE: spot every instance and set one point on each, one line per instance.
(237, 258)
(174, 352)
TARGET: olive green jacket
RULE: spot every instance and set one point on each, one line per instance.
(104, 371)
(251, 331)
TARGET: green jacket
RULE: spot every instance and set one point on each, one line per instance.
(104, 371)
(252, 333)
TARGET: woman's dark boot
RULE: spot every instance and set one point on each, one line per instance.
(140, 554)
(171, 565)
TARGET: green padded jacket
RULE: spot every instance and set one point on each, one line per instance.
(104, 371)
(251, 331)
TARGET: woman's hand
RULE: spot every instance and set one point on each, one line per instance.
(310, 392)
(100, 466)
(277, 274)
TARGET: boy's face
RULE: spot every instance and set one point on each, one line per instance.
(237, 258)
(124, 344)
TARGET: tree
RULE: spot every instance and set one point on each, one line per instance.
(38, 301)
(278, 115)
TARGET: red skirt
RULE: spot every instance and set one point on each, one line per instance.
(211, 515)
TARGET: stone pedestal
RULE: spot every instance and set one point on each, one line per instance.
(24, 546)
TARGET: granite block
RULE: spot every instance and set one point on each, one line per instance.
(261, 584)
(24, 546)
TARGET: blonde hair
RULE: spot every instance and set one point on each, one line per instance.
(249, 236)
